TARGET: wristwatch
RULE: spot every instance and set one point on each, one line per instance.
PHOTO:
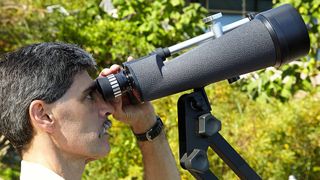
(152, 133)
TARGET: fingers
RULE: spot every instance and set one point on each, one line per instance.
(112, 70)
(105, 72)
(115, 68)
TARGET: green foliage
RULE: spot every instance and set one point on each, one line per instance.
(278, 138)
(124, 159)
(9, 173)
(294, 79)
(310, 13)
(141, 27)
(9, 165)
(168, 21)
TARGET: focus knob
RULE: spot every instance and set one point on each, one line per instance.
(108, 87)
(114, 85)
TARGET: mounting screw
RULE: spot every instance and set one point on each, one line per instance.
(197, 161)
(208, 125)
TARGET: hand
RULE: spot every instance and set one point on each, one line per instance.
(140, 117)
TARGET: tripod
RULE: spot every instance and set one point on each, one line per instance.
(198, 130)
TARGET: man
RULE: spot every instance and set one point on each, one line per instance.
(56, 119)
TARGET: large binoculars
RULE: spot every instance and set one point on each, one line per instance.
(270, 38)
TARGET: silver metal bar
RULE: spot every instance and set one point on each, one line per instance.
(234, 25)
(196, 40)
(185, 44)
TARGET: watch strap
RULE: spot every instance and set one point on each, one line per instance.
(152, 133)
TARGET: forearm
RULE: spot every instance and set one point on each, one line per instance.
(158, 160)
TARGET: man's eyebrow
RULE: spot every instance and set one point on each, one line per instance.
(92, 87)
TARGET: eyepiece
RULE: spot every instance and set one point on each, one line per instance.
(114, 85)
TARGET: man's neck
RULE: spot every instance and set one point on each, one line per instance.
(44, 152)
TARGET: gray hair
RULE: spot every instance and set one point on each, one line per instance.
(43, 71)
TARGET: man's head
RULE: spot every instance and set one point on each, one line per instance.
(41, 87)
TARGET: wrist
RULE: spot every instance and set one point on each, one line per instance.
(145, 125)
(154, 131)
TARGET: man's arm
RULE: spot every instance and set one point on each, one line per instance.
(158, 160)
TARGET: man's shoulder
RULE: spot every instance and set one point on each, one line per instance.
(31, 170)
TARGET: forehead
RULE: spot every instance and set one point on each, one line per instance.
(82, 81)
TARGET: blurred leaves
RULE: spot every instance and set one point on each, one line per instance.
(276, 138)
(295, 79)
(271, 119)
(141, 26)
(310, 11)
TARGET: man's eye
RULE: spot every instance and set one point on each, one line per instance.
(90, 96)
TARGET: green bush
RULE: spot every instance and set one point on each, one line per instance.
(9, 173)
(136, 32)
(297, 78)
(277, 137)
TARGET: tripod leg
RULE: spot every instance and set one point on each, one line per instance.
(232, 158)
(198, 130)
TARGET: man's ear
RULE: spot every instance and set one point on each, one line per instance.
(40, 116)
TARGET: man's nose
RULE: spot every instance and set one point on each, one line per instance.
(105, 107)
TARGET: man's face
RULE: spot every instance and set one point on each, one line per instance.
(80, 117)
